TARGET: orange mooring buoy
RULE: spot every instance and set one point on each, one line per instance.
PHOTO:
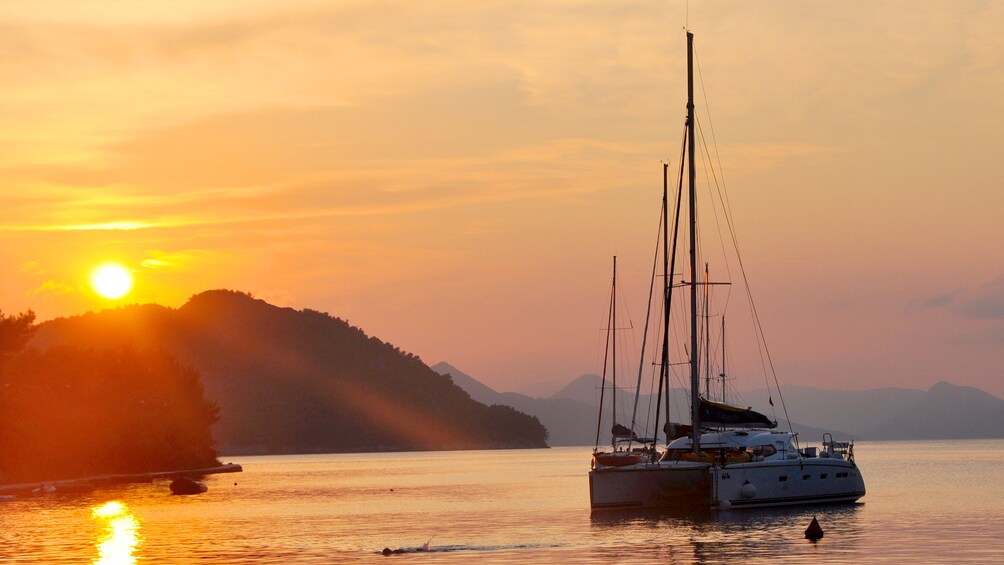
(813, 532)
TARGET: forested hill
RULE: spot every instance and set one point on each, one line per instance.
(290, 381)
(69, 412)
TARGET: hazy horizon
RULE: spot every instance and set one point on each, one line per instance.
(549, 391)
(454, 178)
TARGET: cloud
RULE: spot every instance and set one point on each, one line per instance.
(462, 145)
(985, 302)
(52, 287)
(940, 300)
(759, 157)
(31, 268)
(179, 260)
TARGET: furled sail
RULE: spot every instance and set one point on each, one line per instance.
(718, 414)
(674, 430)
(623, 433)
(619, 431)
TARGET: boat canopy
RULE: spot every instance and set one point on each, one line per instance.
(739, 439)
(718, 414)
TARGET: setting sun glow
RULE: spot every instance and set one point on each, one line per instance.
(111, 281)
(118, 542)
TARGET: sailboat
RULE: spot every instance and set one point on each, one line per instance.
(622, 439)
(733, 457)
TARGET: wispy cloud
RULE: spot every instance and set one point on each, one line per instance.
(939, 300)
(985, 302)
(53, 287)
(404, 160)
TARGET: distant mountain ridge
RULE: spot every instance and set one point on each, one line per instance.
(301, 381)
(568, 421)
(570, 414)
(945, 411)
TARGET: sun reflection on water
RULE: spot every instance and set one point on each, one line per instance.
(118, 541)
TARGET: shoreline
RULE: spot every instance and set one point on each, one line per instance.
(117, 478)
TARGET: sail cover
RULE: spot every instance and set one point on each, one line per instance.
(620, 431)
(623, 433)
(718, 414)
(674, 430)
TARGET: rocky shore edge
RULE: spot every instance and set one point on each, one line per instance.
(87, 483)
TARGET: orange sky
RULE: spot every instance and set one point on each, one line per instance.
(454, 177)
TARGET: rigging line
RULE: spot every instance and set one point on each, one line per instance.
(652, 379)
(669, 269)
(662, 238)
(629, 342)
(758, 329)
(603, 379)
(678, 326)
(766, 361)
(723, 198)
(648, 316)
(673, 377)
(709, 171)
(648, 409)
(727, 209)
(718, 222)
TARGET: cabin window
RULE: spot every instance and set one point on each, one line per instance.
(841, 475)
(823, 476)
(783, 478)
(805, 477)
(764, 450)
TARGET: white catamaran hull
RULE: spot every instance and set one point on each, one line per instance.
(701, 486)
(664, 484)
(782, 483)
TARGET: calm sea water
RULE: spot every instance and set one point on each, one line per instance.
(927, 502)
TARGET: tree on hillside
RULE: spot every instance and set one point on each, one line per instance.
(15, 331)
(68, 413)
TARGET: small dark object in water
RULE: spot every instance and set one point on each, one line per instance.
(813, 532)
(423, 547)
(184, 485)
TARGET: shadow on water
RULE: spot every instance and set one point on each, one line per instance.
(724, 518)
(721, 535)
(651, 516)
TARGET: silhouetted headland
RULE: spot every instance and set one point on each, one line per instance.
(302, 381)
(78, 410)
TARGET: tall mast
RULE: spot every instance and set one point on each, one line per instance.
(695, 394)
(613, 352)
(668, 267)
(606, 352)
(666, 296)
(644, 334)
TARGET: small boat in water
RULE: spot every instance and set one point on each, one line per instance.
(733, 457)
(185, 485)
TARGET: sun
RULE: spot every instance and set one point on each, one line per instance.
(111, 281)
